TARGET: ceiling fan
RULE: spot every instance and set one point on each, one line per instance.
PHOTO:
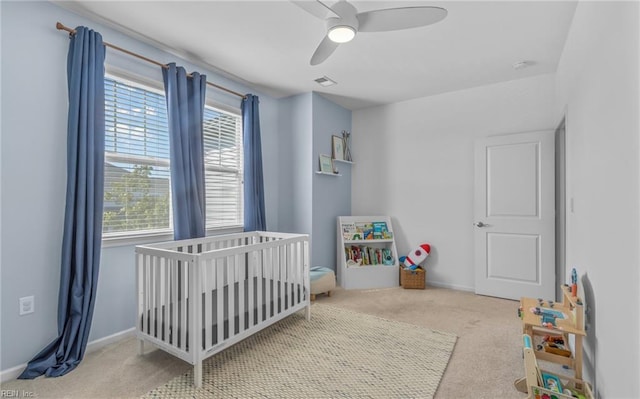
(343, 22)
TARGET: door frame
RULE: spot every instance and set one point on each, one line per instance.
(561, 205)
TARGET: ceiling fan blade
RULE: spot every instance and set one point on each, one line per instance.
(316, 8)
(324, 50)
(399, 18)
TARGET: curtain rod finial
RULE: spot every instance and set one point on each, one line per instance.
(60, 26)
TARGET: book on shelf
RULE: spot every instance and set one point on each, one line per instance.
(379, 228)
(349, 232)
(366, 231)
(366, 228)
(364, 255)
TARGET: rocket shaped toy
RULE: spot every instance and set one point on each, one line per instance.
(417, 256)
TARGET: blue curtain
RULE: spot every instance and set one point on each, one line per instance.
(254, 215)
(185, 110)
(83, 213)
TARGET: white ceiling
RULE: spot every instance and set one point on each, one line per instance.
(268, 44)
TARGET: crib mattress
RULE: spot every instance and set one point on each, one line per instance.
(278, 302)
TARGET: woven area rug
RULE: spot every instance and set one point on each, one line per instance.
(338, 354)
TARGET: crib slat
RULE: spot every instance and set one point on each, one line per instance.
(251, 305)
(306, 277)
(231, 278)
(275, 278)
(155, 307)
(174, 302)
(297, 268)
(207, 271)
(299, 271)
(268, 270)
(300, 267)
(281, 259)
(184, 297)
(150, 299)
(195, 315)
(220, 299)
(289, 281)
(147, 297)
(285, 276)
(291, 274)
(140, 275)
(241, 280)
(260, 279)
(165, 298)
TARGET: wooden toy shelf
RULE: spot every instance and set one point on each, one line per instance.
(533, 381)
(570, 324)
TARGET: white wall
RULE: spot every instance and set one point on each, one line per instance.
(597, 82)
(414, 162)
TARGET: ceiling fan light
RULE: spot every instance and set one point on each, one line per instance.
(341, 33)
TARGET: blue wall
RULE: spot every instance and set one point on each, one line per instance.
(33, 172)
(296, 200)
(331, 195)
(310, 203)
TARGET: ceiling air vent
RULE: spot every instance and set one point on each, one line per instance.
(325, 81)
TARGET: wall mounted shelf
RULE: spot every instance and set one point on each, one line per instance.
(327, 174)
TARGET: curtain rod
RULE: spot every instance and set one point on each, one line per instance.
(60, 26)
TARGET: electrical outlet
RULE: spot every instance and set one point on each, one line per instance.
(27, 305)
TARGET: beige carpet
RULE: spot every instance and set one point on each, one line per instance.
(486, 360)
(338, 354)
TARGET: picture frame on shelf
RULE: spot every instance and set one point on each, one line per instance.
(326, 164)
(346, 139)
(337, 148)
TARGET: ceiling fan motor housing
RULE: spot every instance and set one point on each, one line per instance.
(347, 17)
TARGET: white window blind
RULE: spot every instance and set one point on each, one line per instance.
(137, 197)
(136, 192)
(223, 168)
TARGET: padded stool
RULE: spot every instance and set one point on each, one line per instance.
(323, 280)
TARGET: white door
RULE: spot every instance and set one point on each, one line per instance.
(514, 210)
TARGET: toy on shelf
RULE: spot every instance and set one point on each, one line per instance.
(574, 283)
(554, 344)
(542, 384)
(415, 257)
(547, 316)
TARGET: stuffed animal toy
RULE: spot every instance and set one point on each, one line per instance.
(415, 257)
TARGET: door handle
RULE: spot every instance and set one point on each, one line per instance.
(480, 224)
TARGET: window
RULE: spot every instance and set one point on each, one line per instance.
(223, 168)
(137, 192)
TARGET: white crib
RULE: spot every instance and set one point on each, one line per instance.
(244, 282)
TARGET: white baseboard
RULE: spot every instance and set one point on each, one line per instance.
(110, 339)
(14, 372)
(451, 286)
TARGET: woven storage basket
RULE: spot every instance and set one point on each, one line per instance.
(412, 279)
